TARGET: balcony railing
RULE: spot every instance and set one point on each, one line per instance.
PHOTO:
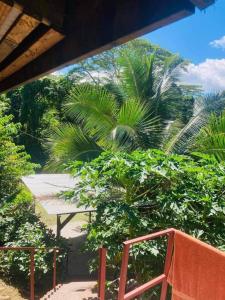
(32, 251)
(161, 279)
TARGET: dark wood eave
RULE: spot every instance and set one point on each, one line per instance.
(77, 29)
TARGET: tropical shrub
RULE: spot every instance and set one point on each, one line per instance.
(204, 106)
(20, 226)
(37, 107)
(142, 192)
(14, 162)
(130, 111)
(211, 139)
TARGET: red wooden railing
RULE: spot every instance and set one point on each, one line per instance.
(102, 273)
(161, 279)
(32, 264)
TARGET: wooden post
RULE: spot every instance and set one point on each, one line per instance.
(169, 252)
(60, 224)
(54, 269)
(32, 282)
(123, 272)
(58, 230)
(102, 273)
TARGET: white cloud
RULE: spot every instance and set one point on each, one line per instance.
(218, 43)
(210, 74)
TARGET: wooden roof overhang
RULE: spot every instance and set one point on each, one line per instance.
(39, 36)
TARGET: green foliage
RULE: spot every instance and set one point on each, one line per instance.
(14, 162)
(37, 106)
(203, 107)
(24, 196)
(143, 192)
(211, 139)
(135, 75)
(104, 67)
(19, 226)
(69, 142)
(125, 113)
(105, 125)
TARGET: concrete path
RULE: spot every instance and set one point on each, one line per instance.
(79, 284)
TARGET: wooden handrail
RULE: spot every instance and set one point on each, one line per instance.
(122, 295)
(32, 251)
(102, 273)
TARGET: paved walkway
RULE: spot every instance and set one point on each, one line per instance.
(79, 285)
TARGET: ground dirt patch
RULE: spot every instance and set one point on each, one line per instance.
(8, 292)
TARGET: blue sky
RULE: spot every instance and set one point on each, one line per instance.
(191, 37)
(199, 38)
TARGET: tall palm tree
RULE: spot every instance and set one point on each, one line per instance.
(124, 115)
(204, 106)
(211, 139)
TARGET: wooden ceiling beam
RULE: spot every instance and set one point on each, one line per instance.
(49, 12)
(8, 16)
(49, 38)
(36, 34)
(23, 26)
(96, 25)
(202, 4)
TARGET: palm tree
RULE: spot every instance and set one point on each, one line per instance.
(204, 106)
(211, 139)
(126, 114)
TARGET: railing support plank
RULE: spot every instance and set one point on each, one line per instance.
(32, 282)
(54, 269)
(102, 273)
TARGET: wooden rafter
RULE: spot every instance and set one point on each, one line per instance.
(50, 12)
(22, 38)
(8, 16)
(74, 30)
(95, 25)
(202, 3)
(23, 26)
(45, 41)
(36, 34)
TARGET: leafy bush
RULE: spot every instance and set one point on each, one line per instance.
(14, 162)
(24, 196)
(142, 192)
(211, 139)
(19, 226)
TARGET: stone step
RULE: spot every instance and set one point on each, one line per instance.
(81, 290)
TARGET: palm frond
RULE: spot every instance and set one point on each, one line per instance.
(203, 107)
(133, 74)
(211, 139)
(92, 105)
(184, 138)
(134, 121)
(68, 142)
